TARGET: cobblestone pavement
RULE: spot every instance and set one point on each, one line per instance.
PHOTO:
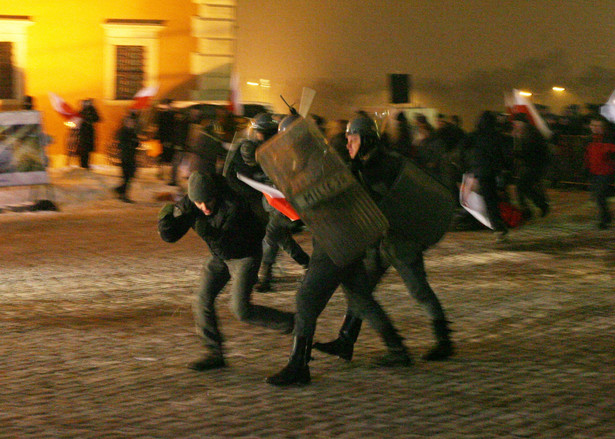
(96, 330)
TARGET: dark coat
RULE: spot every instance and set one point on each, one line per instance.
(531, 149)
(486, 156)
(232, 231)
(128, 142)
(166, 125)
(87, 136)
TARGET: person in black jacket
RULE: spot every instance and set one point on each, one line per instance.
(87, 133)
(128, 142)
(232, 233)
(165, 121)
(487, 161)
(532, 157)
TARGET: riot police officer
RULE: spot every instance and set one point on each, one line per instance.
(279, 228)
(379, 171)
(321, 280)
(279, 233)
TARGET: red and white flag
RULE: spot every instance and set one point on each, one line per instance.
(273, 197)
(234, 99)
(608, 109)
(63, 109)
(143, 98)
(520, 104)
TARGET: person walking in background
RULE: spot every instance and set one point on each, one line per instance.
(600, 162)
(450, 137)
(532, 156)
(165, 122)
(398, 135)
(429, 147)
(128, 142)
(486, 162)
(86, 142)
(234, 237)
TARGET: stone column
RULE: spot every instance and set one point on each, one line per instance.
(215, 29)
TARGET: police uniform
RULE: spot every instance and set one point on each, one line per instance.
(377, 170)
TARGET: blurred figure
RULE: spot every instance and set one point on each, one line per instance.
(28, 103)
(429, 149)
(532, 156)
(600, 162)
(165, 121)
(398, 135)
(243, 162)
(128, 142)
(456, 120)
(279, 229)
(336, 136)
(486, 162)
(86, 140)
(449, 138)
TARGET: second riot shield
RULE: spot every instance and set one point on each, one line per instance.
(323, 191)
(418, 206)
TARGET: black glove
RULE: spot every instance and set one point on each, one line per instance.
(166, 210)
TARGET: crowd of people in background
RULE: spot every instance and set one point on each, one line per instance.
(507, 157)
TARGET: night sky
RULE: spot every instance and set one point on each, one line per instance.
(344, 49)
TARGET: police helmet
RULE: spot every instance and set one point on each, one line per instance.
(287, 121)
(264, 123)
(363, 126)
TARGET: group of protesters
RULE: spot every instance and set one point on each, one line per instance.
(243, 232)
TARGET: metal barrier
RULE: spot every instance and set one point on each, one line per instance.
(567, 161)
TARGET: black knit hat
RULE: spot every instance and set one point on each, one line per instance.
(202, 187)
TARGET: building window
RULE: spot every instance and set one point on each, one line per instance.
(6, 70)
(129, 73)
(131, 57)
(13, 72)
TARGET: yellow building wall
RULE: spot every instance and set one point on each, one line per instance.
(65, 51)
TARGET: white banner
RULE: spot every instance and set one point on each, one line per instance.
(22, 151)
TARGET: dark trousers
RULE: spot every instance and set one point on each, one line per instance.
(530, 187)
(244, 272)
(84, 159)
(129, 169)
(600, 187)
(489, 191)
(407, 258)
(322, 279)
(279, 234)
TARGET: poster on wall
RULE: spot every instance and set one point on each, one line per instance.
(22, 149)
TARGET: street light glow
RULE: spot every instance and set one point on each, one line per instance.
(253, 83)
(558, 89)
(525, 93)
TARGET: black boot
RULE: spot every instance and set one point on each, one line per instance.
(343, 345)
(297, 370)
(444, 347)
(212, 360)
(264, 283)
(396, 357)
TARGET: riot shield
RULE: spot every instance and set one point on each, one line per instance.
(323, 191)
(418, 206)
